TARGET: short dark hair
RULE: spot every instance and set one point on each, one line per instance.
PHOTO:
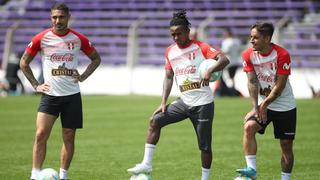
(264, 28)
(60, 6)
(180, 19)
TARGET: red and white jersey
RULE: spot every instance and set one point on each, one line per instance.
(185, 64)
(59, 58)
(267, 66)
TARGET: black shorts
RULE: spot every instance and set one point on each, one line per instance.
(284, 123)
(68, 107)
(200, 116)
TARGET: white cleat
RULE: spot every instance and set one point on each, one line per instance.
(140, 168)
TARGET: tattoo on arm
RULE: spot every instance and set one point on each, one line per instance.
(25, 67)
(95, 61)
(253, 87)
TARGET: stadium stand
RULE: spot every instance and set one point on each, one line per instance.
(106, 23)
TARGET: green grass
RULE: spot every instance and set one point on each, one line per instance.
(114, 134)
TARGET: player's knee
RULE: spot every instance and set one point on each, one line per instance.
(205, 149)
(250, 128)
(41, 136)
(154, 126)
(286, 146)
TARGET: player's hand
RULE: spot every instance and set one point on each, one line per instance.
(42, 88)
(76, 76)
(252, 113)
(263, 113)
(161, 108)
(205, 80)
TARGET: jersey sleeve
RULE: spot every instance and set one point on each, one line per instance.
(284, 63)
(247, 64)
(167, 63)
(208, 51)
(86, 45)
(35, 45)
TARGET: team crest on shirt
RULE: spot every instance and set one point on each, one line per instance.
(286, 66)
(192, 56)
(70, 45)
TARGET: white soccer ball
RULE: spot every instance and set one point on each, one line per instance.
(242, 178)
(48, 174)
(205, 65)
(141, 176)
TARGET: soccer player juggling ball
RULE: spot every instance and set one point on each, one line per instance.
(196, 98)
(268, 67)
(60, 49)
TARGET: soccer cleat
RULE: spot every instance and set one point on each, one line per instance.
(248, 172)
(140, 168)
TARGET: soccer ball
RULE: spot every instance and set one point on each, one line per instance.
(48, 174)
(242, 178)
(205, 65)
(141, 176)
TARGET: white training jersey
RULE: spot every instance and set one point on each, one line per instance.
(267, 66)
(185, 62)
(60, 55)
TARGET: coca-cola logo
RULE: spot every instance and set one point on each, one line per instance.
(191, 69)
(61, 57)
(266, 78)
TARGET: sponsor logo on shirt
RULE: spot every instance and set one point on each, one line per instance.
(244, 64)
(62, 71)
(30, 44)
(61, 57)
(189, 85)
(191, 69)
(213, 50)
(286, 66)
(266, 78)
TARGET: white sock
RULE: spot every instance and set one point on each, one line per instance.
(63, 174)
(205, 174)
(34, 173)
(251, 161)
(285, 176)
(148, 152)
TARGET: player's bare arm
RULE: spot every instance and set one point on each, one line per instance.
(253, 87)
(276, 91)
(25, 67)
(95, 62)
(167, 85)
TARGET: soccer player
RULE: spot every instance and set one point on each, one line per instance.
(196, 99)
(267, 66)
(60, 47)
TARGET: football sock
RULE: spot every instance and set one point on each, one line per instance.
(34, 173)
(251, 161)
(148, 152)
(205, 174)
(63, 174)
(285, 176)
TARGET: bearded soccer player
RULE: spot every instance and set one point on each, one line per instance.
(60, 47)
(196, 98)
(268, 67)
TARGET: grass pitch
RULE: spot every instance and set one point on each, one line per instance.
(114, 134)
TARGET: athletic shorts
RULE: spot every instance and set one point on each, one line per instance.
(68, 107)
(284, 123)
(200, 116)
